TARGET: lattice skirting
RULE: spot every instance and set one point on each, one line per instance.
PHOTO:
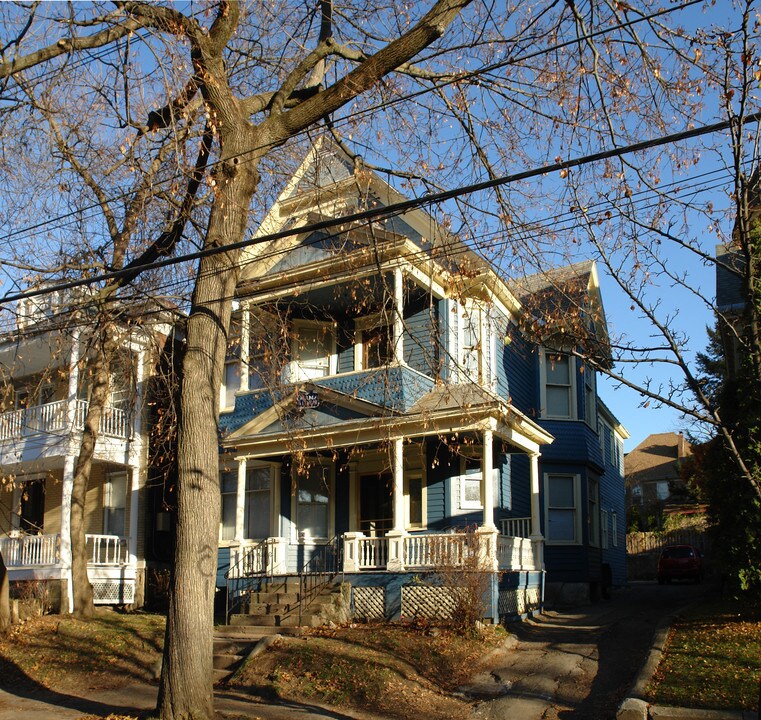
(434, 603)
(518, 601)
(369, 603)
(113, 592)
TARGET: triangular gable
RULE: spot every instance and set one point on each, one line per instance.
(308, 406)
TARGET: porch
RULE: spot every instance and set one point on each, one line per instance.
(509, 549)
(38, 558)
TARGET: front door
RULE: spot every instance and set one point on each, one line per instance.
(375, 505)
(32, 506)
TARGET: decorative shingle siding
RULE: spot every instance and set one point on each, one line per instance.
(395, 387)
(247, 406)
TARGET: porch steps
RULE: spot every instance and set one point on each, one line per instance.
(229, 654)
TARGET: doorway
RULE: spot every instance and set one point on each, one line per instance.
(32, 506)
(375, 504)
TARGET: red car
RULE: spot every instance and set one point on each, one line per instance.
(680, 562)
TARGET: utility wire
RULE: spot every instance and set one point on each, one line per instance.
(380, 106)
(403, 206)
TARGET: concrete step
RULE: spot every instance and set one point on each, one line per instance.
(227, 661)
(272, 608)
(273, 598)
(244, 633)
(280, 585)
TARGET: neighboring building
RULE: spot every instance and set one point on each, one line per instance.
(44, 365)
(653, 482)
(379, 396)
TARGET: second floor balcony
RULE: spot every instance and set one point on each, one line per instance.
(52, 418)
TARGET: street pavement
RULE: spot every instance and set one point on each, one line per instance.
(570, 665)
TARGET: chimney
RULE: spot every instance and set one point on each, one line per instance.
(681, 447)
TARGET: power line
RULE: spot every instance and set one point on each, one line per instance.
(403, 206)
(381, 106)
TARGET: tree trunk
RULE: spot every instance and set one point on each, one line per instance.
(186, 678)
(5, 606)
(101, 377)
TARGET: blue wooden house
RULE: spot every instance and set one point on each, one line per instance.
(381, 402)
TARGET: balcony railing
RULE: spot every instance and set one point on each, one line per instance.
(44, 550)
(51, 418)
(516, 527)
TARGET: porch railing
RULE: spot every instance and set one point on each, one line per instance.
(52, 417)
(450, 549)
(44, 550)
(372, 553)
(326, 562)
(518, 553)
(106, 550)
(249, 564)
(515, 527)
(30, 550)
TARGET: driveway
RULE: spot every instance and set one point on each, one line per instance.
(579, 665)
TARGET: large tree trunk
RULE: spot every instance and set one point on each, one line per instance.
(5, 605)
(100, 382)
(186, 679)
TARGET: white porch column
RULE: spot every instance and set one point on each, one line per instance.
(536, 528)
(487, 479)
(245, 333)
(398, 316)
(136, 454)
(240, 507)
(69, 465)
(396, 536)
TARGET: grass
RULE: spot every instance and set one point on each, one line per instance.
(392, 669)
(712, 658)
(62, 653)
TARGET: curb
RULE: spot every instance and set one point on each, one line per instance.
(635, 707)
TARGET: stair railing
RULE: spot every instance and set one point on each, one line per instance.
(250, 567)
(318, 573)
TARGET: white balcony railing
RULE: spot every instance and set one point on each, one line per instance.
(44, 550)
(518, 553)
(516, 527)
(51, 418)
(448, 550)
(373, 553)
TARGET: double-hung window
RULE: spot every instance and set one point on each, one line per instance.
(115, 504)
(559, 386)
(562, 509)
(313, 501)
(313, 350)
(229, 486)
(258, 502)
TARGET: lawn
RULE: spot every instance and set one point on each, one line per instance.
(712, 658)
(396, 670)
(62, 653)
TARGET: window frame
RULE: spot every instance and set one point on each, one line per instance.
(575, 508)
(362, 326)
(545, 358)
(296, 532)
(108, 491)
(295, 371)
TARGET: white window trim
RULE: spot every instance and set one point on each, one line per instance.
(577, 540)
(107, 491)
(590, 413)
(458, 504)
(361, 325)
(543, 385)
(293, 364)
(487, 333)
(331, 505)
(223, 406)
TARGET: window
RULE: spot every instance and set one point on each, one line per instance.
(470, 483)
(590, 400)
(312, 351)
(637, 493)
(229, 486)
(558, 387)
(610, 444)
(374, 342)
(562, 493)
(115, 504)
(593, 508)
(601, 438)
(662, 490)
(232, 383)
(476, 343)
(312, 502)
(414, 494)
(258, 503)
(614, 528)
(604, 523)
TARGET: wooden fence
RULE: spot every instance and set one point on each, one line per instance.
(644, 548)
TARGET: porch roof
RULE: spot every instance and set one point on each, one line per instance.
(440, 411)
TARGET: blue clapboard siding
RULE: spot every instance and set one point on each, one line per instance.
(501, 325)
(612, 499)
(521, 368)
(520, 484)
(421, 348)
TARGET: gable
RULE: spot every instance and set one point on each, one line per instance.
(327, 166)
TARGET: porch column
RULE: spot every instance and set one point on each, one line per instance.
(395, 537)
(245, 333)
(487, 478)
(536, 528)
(136, 454)
(240, 508)
(68, 467)
(398, 316)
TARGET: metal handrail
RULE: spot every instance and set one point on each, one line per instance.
(239, 578)
(322, 567)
